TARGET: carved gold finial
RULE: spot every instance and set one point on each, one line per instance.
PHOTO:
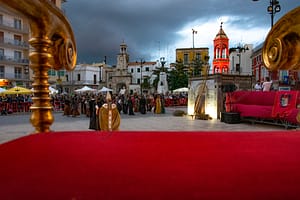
(53, 45)
(281, 49)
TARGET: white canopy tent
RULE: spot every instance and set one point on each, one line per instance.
(85, 89)
(51, 90)
(105, 89)
(183, 89)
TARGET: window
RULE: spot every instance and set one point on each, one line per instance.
(185, 58)
(17, 55)
(17, 40)
(147, 69)
(51, 72)
(18, 24)
(138, 69)
(1, 36)
(67, 77)
(1, 71)
(224, 52)
(78, 77)
(61, 73)
(18, 72)
(138, 81)
(198, 56)
(131, 70)
(1, 54)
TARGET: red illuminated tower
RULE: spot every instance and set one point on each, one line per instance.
(221, 52)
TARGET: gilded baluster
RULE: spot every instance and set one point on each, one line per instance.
(53, 46)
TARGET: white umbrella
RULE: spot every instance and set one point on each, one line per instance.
(52, 90)
(105, 89)
(85, 89)
(2, 90)
(184, 89)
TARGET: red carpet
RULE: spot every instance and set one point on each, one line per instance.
(152, 165)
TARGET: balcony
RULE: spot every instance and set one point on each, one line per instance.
(10, 27)
(14, 43)
(11, 60)
(15, 77)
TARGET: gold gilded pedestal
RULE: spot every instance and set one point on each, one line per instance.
(53, 46)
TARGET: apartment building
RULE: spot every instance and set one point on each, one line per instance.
(14, 49)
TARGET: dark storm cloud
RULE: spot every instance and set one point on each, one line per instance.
(100, 26)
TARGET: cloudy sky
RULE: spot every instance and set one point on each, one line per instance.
(154, 29)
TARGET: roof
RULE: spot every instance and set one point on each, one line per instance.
(221, 33)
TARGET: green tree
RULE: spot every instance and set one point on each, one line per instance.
(178, 77)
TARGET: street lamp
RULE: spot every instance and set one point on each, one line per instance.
(163, 62)
(142, 61)
(193, 32)
(273, 8)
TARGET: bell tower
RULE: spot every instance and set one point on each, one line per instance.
(122, 60)
(221, 52)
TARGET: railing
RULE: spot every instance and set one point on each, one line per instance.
(53, 46)
(13, 42)
(13, 76)
(11, 26)
(14, 60)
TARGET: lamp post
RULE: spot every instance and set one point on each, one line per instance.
(273, 8)
(142, 61)
(163, 62)
(193, 32)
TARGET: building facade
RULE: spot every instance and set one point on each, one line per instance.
(240, 60)
(191, 57)
(14, 49)
(142, 74)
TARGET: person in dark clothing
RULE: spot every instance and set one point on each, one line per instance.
(143, 103)
(93, 114)
(130, 105)
(125, 104)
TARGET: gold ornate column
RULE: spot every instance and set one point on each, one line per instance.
(40, 58)
(53, 47)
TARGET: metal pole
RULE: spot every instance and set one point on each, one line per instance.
(272, 12)
(141, 77)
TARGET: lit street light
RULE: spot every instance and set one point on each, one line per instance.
(273, 8)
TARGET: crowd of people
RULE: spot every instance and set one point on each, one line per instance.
(90, 104)
(75, 104)
(15, 103)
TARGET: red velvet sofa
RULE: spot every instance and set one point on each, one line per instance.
(274, 105)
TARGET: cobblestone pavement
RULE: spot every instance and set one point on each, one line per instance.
(17, 125)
